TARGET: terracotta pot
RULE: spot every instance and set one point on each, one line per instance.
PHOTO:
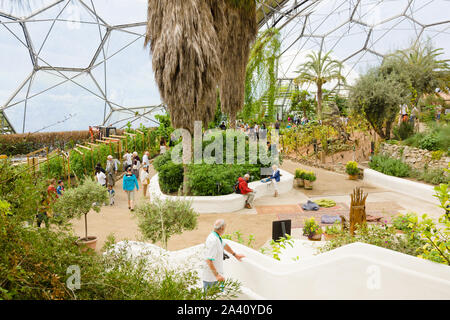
(308, 185)
(328, 237)
(315, 236)
(353, 176)
(299, 183)
(89, 243)
(399, 231)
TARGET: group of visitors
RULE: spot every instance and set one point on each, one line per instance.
(405, 115)
(107, 177)
(135, 169)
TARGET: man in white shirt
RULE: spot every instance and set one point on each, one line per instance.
(101, 178)
(145, 159)
(214, 246)
(128, 157)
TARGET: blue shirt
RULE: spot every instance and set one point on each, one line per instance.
(276, 175)
(59, 190)
(129, 182)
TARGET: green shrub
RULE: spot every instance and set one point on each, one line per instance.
(437, 155)
(405, 222)
(299, 173)
(161, 160)
(218, 179)
(160, 219)
(334, 229)
(378, 235)
(389, 166)
(435, 177)
(352, 168)
(429, 142)
(403, 131)
(310, 176)
(435, 138)
(171, 177)
(34, 266)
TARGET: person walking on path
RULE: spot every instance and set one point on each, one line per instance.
(246, 191)
(100, 176)
(214, 254)
(146, 159)
(136, 164)
(128, 160)
(111, 171)
(145, 179)
(129, 184)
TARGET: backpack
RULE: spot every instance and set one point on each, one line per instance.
(236, 188)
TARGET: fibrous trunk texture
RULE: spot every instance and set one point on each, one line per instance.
(236, 33)
(185, 57)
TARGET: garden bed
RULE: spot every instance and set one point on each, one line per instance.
(226, 203)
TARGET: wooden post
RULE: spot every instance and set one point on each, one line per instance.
(68, 167)
(48, 163)
(357, 209)
(143, 139)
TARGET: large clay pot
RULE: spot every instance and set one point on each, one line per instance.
(308, 185)
(299, 183)
(353, 176)
(315, 236)
(89, 243)
(328, 237)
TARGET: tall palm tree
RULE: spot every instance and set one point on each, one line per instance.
(424, 69)
(318, 69)
(198, 46)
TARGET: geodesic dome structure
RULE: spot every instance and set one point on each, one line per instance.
(68, 64)
(359, 33)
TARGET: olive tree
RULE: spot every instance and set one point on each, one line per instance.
(377, 95)
(160, 219)
(79, 201)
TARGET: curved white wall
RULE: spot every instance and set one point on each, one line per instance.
(410, 188)
(227, 203)
(355, 271)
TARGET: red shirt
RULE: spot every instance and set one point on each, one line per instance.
(52, 193)
(243, 186)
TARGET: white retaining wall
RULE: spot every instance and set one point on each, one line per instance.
(410, 188)
(356, 271)
(227, 203)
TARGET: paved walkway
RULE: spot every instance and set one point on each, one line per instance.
(118, 220)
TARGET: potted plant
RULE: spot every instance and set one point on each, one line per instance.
(79, 201)
(352, 170)
(312, 230)
(309, 177)
(298, 179)
(332, 231)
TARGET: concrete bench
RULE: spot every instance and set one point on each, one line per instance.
(227, 203)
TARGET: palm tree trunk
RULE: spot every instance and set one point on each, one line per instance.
(85, 227)
(319, 101)
(232, 120)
